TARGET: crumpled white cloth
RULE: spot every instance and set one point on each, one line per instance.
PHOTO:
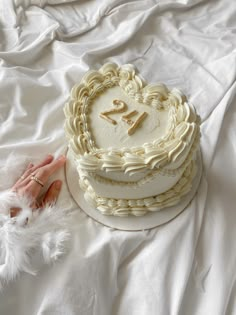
(184, 267)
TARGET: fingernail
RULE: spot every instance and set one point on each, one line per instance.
(58, 184)
(61, 157)
(49, 156)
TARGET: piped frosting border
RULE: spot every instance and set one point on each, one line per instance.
(139, 207)
(182, 130)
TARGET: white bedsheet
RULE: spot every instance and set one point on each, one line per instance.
(186, 267)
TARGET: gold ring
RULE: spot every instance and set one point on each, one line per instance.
(33, 177)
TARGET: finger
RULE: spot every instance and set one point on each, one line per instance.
(25, 173)
(52, 193)
(32, 189)
(47, 160)
(30, 165)
(30, 170)
(14, 212)
(25, 177)
(56, 165)
(45, 172)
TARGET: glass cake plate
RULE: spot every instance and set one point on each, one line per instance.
(129, 223)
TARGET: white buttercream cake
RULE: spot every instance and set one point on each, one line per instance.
(134, 144)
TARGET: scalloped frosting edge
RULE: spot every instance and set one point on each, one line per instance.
(183, 126)
(139, 207)
(148, 177)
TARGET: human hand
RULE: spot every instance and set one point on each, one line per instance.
(34, 178)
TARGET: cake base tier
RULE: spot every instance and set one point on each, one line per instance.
(129, 223)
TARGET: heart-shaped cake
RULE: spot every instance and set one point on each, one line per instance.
(134, 145)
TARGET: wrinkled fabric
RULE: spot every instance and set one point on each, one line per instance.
(184, 267)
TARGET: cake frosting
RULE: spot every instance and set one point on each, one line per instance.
(134, 144)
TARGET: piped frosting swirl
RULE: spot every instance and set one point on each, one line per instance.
(182, 130)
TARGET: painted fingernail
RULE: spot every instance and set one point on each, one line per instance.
(58, 184)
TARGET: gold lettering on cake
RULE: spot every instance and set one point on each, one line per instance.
(119, 107)
(127, 117)
(134, 124)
